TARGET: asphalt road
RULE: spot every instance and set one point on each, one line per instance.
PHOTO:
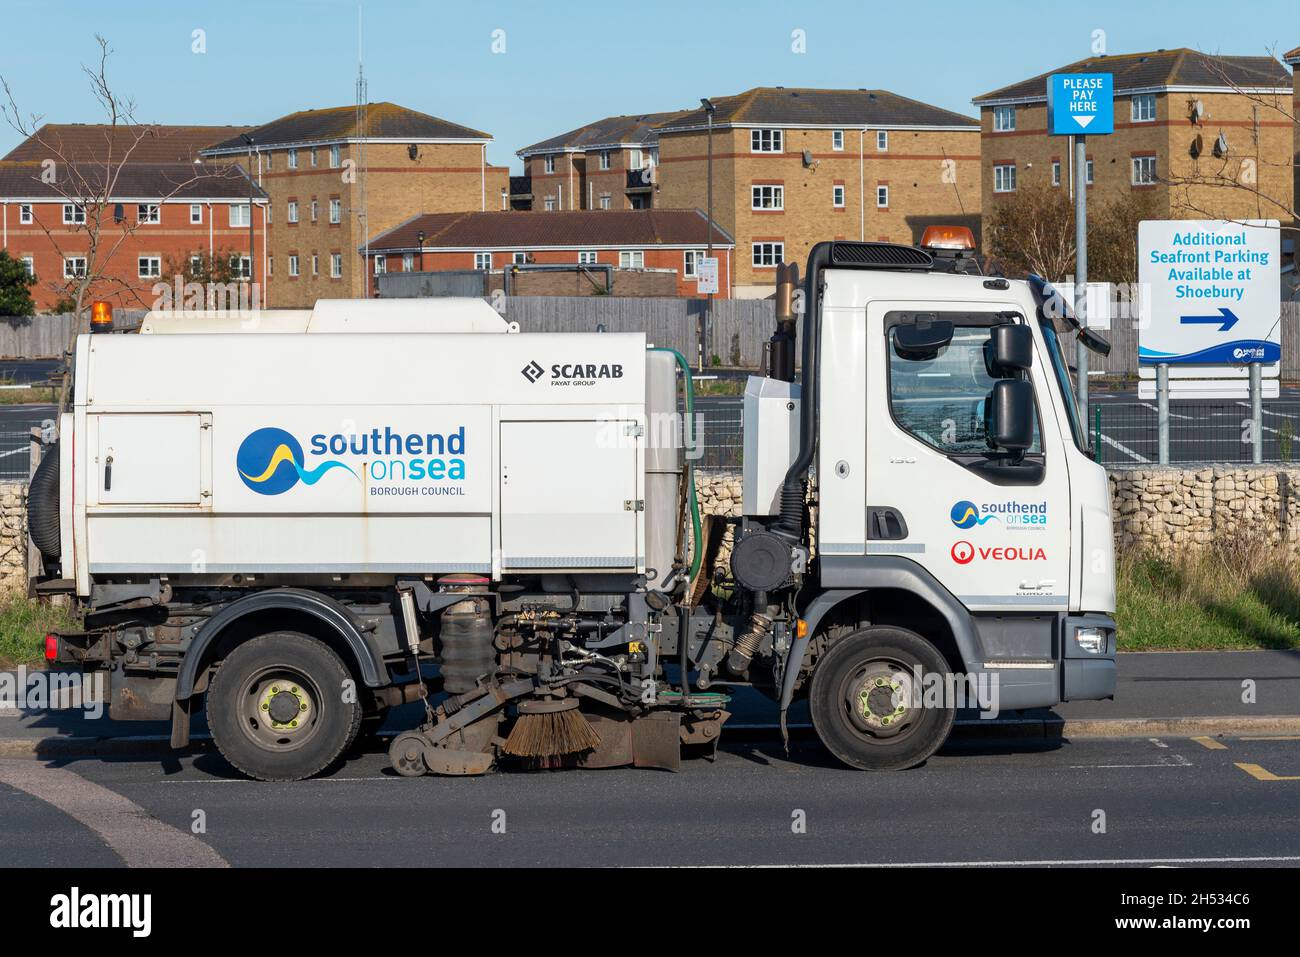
(1172, 801)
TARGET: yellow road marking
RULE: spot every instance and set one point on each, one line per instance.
(1262, 774)
(1207, 742)
(1271, 737)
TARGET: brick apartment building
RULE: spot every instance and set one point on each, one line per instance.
(335, 176)
(1180, 116)
(166, 210)
(1292, 57)
(652, 252)
(609, 164)
(793, 167)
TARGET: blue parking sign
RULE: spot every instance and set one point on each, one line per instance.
(1080, 104)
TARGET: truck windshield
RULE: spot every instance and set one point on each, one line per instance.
(1061, 372)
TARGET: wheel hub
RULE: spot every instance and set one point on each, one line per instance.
(880, 701)
(286, 706)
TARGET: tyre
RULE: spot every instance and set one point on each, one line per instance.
(43, 505)
(276, 707)
(865, 699)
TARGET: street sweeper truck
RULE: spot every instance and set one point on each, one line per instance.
(296, 521)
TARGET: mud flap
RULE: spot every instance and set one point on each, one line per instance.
(657, 741)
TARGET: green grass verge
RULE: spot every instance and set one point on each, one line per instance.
(42, 395)
(1238, 596)
(23, 626)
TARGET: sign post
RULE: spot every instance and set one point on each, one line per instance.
(1079, 105)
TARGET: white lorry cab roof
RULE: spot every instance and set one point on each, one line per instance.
(444, 315)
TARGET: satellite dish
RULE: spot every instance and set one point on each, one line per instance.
(1197, 111)
(1198, 146)
(1221, 145)
(807, 158)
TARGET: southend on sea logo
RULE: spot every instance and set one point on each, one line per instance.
(967, 515)
(270, 461)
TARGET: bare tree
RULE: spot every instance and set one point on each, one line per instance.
(89, 184)
(1032, 231)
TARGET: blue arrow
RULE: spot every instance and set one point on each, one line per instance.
(1225, 320)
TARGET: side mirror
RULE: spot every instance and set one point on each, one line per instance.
(915, 340)
(1010, 349)
(1009, 416)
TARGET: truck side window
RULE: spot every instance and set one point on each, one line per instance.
(941, 400)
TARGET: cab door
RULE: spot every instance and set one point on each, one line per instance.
(994, 533)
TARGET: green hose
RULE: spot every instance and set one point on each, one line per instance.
(697, 551)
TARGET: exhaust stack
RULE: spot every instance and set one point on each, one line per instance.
(781, 347)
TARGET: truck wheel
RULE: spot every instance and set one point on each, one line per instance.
(276, 708)
(863, 700)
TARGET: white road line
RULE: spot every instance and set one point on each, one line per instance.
(1061, 862)
(1127, 451)
(130, 831)
(1172, 415)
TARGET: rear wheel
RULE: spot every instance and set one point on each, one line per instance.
(866, 701)
(277, 708)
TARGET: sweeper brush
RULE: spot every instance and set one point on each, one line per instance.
(550, 729)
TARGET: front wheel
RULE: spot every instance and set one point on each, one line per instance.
(277, 708)
(867, 699)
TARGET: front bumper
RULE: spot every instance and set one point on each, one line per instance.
(1088, 675)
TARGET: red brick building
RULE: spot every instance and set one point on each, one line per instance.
(164, 222)
(635, 243)
(609, 164)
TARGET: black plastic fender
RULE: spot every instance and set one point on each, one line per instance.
(322, 607)
(846, 576)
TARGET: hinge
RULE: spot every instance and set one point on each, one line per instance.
(634, 505)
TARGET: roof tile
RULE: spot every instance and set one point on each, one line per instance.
(567, 229)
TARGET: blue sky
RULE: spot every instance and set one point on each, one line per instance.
(561, 69)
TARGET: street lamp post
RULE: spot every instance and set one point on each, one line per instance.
(420, 239)
(707, 322)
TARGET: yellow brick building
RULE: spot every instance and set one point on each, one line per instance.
(1209, 137)
(338, 175)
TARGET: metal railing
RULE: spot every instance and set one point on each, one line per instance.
(1128, 433)
(15, 456)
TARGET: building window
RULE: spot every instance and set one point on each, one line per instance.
(315, 264)
(313, 156)
(1142, 108)
(635, 159)
(336, 265)
(767, 197)
(408, 262)
(768, 254)
(381, 265)
(766, 141)
(73, 215)
(196, 213)
(1056, 172)
(550, 204)
(196, 266)
(334, 156)
(315, 210)
(837, 196)
(1088, 169)
(1004, 178)
(483, 261)
(29, 265)
(336, 210)
(882, 140)
(519, 259)
(148, 213)
(241, 267)
(1004, 119)
(74, 267)
(631, 259)
(837, 139)
(149, 267)
(691, 263)
(605, 161)
(270, 267)
(268, 160)
(293, 211)
(548, 163)
(605, 201)
(293, 159)
(25, 214)
(586, 257)
(239, 215)
(1144, 170)
(882, 197)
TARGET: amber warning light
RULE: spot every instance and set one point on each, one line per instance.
(948, 237)
(101, 317)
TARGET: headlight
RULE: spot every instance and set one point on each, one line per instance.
(1091, 640)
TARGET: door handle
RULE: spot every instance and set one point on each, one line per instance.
(885, 523)
(108, 473)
